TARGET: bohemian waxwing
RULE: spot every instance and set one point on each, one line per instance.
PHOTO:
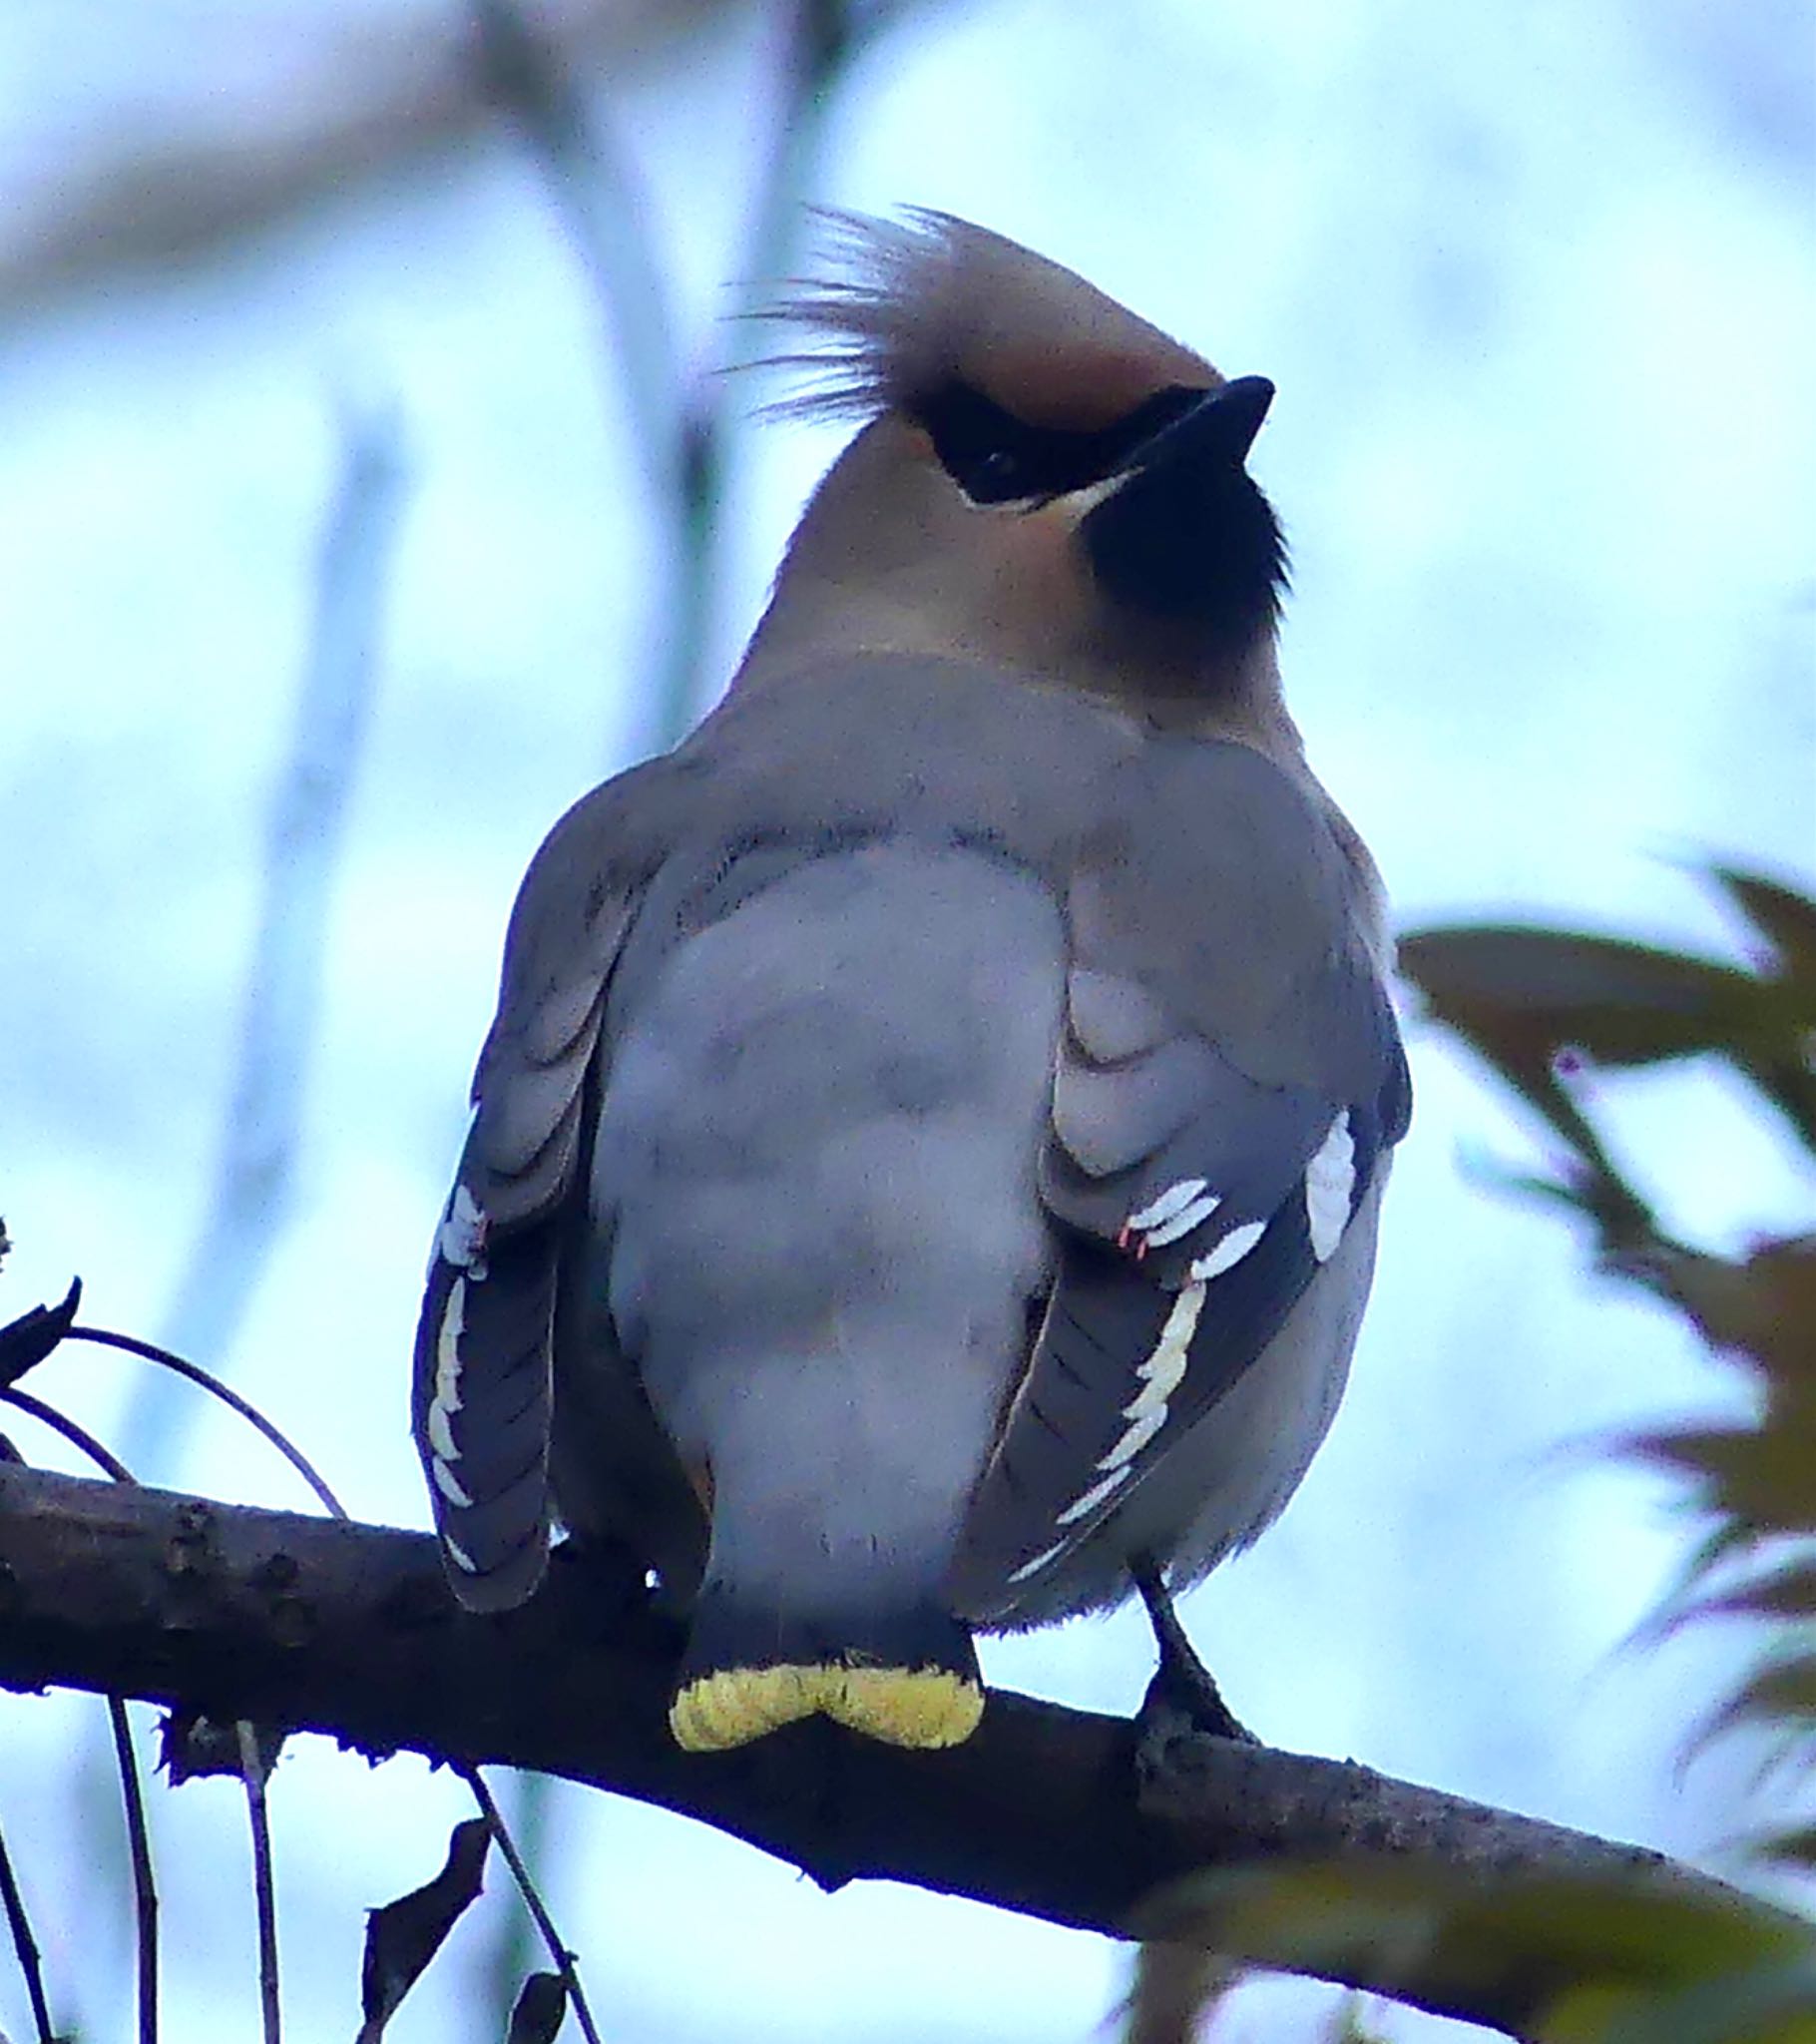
(927, 1155)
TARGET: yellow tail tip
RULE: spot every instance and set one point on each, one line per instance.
(922, 1708)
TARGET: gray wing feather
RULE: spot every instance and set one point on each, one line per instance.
(483, 1366)
(1228, 1080)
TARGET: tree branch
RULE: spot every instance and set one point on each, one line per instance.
(277, 124)
(349, 1630)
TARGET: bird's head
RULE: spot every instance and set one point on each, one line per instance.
(1042, 479)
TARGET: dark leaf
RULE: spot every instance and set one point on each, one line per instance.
(1795, 1847)
(1761, 1477)
(403, 1937)
(1528, 998)
(1533, 992)
(540, 2008)
(192, 1745)
(1784, 917)
(1781, 1693)
(1765, 1306)
(1787, 1592)
(26, 1342)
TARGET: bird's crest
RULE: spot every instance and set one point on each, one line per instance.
(916, 307)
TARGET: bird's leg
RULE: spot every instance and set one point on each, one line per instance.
(1183, 1687)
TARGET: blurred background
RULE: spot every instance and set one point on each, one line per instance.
(368, 490)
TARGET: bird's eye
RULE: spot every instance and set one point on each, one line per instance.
(989, 453)
(997, 458)
(997, 471)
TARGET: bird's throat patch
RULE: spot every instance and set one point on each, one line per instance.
(922, 1708)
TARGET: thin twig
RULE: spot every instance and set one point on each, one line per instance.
(252, 1763)
(279, 1025)
(195, 1374)
(370, 95)
(601, 205)
(525, 1799)
(126, 1759)
(680, 443)
(284, 986)
(144, 1885)
(264, 1887)
(819, 42)
(72, 1431)
(25, 1945)
(821, 39)
(564, 1959)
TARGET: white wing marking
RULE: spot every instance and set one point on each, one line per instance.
(1231, 1250)
(1330, 1185)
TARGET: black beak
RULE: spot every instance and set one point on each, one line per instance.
(1216, 433)
(1185, 537)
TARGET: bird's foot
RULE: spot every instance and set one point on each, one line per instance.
(1183, 1696)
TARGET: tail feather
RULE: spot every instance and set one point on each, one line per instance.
(483, 1397)
(907, 1677)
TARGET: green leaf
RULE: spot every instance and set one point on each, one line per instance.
(1768, 2004)
(1174, 1988)
(1593, 2014)
(1539, 1956)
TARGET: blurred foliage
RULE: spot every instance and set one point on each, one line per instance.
(1623, 1959)
(1560, 1960)
(1541, 1007)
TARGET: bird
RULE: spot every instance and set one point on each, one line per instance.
(925, 1165)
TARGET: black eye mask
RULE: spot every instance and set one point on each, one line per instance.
(995, 458)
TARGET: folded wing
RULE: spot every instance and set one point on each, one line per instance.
(1228, 1083)
(483, 1364)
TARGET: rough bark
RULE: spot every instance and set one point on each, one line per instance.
(347, 1629)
